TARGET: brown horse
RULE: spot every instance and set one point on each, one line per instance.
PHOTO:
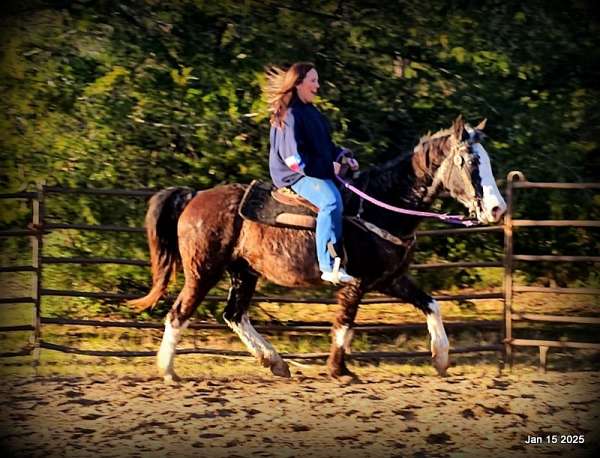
(204, 232)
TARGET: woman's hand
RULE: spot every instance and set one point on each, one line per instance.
(353, 163)
(336, 168)
(347, 157)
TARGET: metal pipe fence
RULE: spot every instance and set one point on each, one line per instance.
(40, 228)
(516, 180)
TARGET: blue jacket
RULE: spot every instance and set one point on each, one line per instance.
(302, 146)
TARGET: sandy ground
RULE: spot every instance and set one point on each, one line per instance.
(382, 415)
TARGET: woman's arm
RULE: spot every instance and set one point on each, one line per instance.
(289, 148)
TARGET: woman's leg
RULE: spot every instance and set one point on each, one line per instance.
(325, 195)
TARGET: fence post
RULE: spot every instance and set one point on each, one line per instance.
(508, 265)
(543, 358)
(36, 262)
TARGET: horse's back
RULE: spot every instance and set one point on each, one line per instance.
(211, 231)
(210, 224)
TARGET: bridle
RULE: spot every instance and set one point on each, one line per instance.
(452, 164)
(452, 219)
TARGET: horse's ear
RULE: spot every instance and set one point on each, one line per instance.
(458, 127)
(481, 125)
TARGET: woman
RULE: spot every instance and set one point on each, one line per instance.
(302, 156)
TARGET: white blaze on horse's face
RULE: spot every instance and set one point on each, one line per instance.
(492, 205)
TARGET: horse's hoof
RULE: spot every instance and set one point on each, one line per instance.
(281, 369)
(347, 379)
(343, 375)
(441, 365)
(171, 379)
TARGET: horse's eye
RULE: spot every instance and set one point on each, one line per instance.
(459, 160)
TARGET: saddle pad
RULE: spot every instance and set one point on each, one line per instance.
(259, 206)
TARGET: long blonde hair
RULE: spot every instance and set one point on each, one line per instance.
(281, 86)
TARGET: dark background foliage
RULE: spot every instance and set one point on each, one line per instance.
(149, 94)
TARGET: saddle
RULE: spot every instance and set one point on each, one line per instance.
(262, 203)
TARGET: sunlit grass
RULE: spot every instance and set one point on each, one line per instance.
(125, 339)
(54, 363)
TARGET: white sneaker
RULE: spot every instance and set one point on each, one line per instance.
(340, 277)
(344, 276)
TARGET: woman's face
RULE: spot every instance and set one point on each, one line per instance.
(307, 89)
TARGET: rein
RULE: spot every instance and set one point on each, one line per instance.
(451, 219)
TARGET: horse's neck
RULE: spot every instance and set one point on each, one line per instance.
(395, 183)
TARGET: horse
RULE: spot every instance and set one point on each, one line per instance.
(204, 233)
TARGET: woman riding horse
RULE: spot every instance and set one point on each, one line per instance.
(303, 157)
(204, 232)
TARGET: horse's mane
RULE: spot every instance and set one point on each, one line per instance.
(408, 168)
(439, 134)
(429, 151)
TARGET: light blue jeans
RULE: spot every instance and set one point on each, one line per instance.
(324, 195)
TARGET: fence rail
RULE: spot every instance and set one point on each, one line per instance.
(555, 318)
(555, 223)
(40, 228)
(516, 180)
(271, 299)
(98, 228)
(237, 353)
(65, 260)
(539, 289)
(270, 327)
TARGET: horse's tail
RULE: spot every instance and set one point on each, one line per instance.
(164, 210)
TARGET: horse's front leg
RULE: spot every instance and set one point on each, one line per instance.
(348, 298)
(405, 289)
(243, 283)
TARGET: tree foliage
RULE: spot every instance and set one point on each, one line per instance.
(148, 94)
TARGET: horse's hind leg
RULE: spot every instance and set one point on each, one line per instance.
(349, 298)
(404, 288)
(194, 290)
(243, 284)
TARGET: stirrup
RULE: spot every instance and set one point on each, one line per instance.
(337, 275)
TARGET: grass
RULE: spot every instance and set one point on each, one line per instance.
(57, 363)
(52, 362)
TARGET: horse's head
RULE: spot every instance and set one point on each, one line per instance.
(466, 173)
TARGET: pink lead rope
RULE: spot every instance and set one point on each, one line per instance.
(452, 219)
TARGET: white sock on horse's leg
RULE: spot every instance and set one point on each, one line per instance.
(166, 354)
(260, 348)
(439, 340)
(341, 340)
(343, 337)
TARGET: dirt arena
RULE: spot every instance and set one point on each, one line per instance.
(383, 415)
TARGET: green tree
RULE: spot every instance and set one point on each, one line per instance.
(149, 94)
